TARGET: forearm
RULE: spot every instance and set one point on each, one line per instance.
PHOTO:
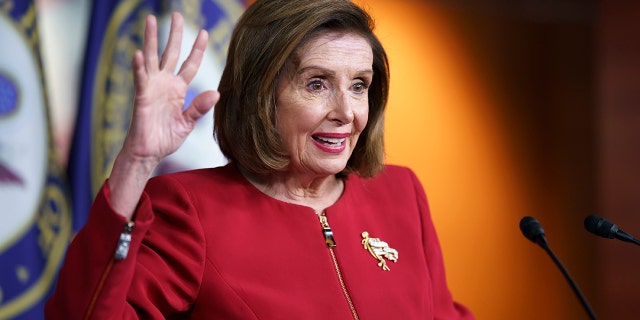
(127, 181)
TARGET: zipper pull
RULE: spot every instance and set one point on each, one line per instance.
(125, 240)
(326, 230)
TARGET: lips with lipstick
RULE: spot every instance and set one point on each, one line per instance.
(330, 142)
(7, 176)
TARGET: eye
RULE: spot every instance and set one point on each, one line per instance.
(360, 87)
(316, 85)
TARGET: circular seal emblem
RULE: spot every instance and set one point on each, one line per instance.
(35, 217)
(113, 91)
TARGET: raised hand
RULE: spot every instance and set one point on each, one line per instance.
(159, 125)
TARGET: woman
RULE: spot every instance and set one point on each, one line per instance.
(304, 222)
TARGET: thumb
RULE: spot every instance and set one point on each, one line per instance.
(200, 105)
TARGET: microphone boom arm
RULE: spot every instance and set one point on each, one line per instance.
(532, 230)
(572, 283)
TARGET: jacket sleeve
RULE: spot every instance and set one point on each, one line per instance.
(443, 304)
(161, 274)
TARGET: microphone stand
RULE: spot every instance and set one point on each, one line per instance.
(623, 236)
(566, 274)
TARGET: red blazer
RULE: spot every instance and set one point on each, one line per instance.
(207, 244)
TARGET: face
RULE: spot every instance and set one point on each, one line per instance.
(322, 102)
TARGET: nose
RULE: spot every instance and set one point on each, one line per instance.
(342, 106)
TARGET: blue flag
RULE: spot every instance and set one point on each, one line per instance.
(35, 213)
(106, 98)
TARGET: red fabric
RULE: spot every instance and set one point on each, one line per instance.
(208, 245)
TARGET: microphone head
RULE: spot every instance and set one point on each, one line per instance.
(600, 226)
(532, 230)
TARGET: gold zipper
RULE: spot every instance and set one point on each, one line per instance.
(122, 250)
(328, 238)
(94, 299)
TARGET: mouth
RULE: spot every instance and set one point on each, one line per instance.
(330, 141)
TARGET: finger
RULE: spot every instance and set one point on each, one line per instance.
(150, 48)
(200, 105)
(192, 63)
(172, 51)
(139, 71)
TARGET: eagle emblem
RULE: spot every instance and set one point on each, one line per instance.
(379, 250)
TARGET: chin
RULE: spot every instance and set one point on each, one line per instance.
(333, 169)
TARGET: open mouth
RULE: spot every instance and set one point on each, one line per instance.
(7, 176)
(329, 142)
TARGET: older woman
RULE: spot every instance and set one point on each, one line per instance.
(305, 222)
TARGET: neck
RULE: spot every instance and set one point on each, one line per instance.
(316, 192)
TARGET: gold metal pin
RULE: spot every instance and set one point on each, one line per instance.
(379, 250)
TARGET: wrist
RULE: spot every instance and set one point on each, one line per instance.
(127, 180)
(133, 166)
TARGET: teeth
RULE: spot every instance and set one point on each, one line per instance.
(336, 141)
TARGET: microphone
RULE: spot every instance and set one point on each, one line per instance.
(532, 230)
(607, 229)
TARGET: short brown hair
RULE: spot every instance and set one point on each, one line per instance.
(266, 36)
